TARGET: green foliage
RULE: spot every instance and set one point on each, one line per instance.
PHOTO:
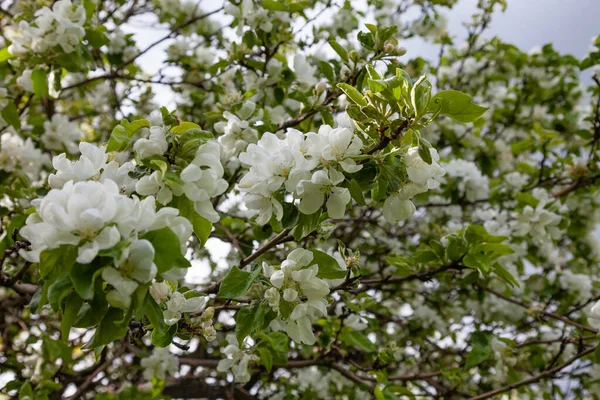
(252, 319)
(329, 268)
(167, 250)
(480, 350)
(456, 105)
(122, 134)
(237, 282)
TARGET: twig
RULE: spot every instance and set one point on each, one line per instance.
(547, 373)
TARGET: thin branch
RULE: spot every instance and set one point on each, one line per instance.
(546, 374)
(282, 237)
(543, 312)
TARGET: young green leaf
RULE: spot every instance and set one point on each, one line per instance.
(353, 94)
(237, 282)
(329, 268)
(39, 79)
(167, 250)
(456, 105)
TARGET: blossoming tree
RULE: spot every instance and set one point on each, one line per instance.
(393, 227)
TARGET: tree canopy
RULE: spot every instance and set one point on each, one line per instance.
(371, 224)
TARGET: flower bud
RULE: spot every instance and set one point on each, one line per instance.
(160, 291)
(321, 86)
(209, 313)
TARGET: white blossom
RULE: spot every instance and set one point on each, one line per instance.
(237, 360)
(161, 364)
(135, 266)
(62, 25)
(322, 187)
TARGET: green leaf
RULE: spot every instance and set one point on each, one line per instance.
(339, 50)
(83, 276)
(122, 134)
(424, 153)
(119, 139)
(163, 339)
(497, 249)
(5, 55)
(327, 70)
(354, 338)
(382, 394)
(277, 341)
(286, 6)
(172, 179)
(72, 307)
(353, 94)
(290, 215)
(420, 96)
(403, 265)
(167, 250)
(597, 354)
(96, 37)
(237, 282)
(329, 268)
(57, 262)
(505, 275)
(184, 126)
(26, 392)
(11, 115)
(266, 358)
(57, 291)
(156, 163)
(356, 192)
(306, 224)
(90, 7)
(134, 126)
(475, 234)
(39, 78)
(286, 308)
(401, 390)
(112, 327)
(327, 117)
(456, 105)
(480, 350)
(93, 311)
(190, 140)
(202, 227)
(154, 314)
(250, 319)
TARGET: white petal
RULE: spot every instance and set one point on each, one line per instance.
(337, 201)
(195, 304)
(290, 295)
(277, 279)
(191, 173)
(311, 202)
(302, 257)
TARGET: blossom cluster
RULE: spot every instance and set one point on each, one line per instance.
(60, 26)
(201, 180)
(236, 360)
(297, 288)
(18, 154)
(176, 303)
(287, 165)
(423, 176)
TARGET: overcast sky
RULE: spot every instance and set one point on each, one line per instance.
(569, 24)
